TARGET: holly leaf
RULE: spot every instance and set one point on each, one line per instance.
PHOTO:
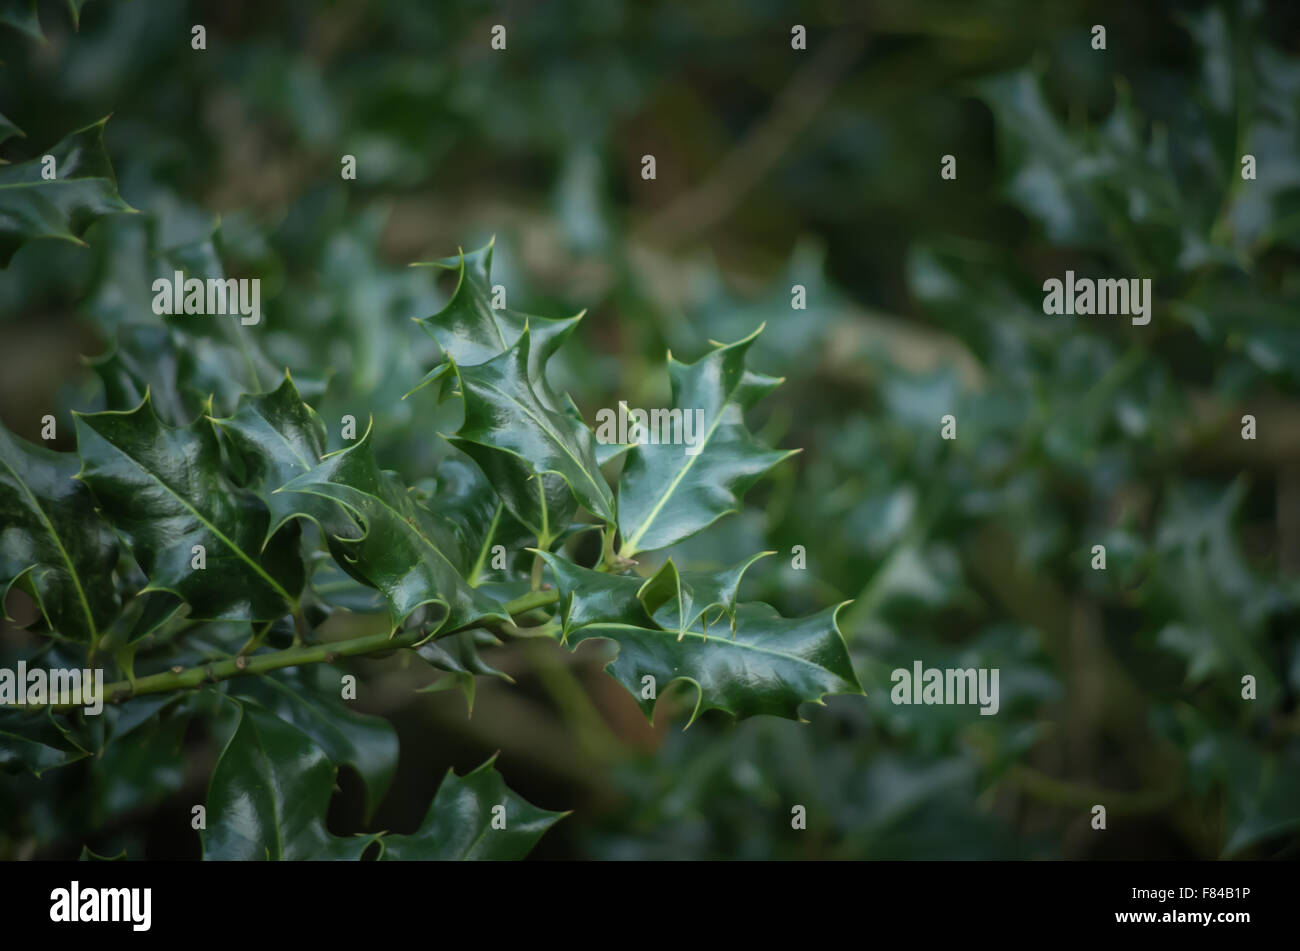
(480, 519)
(36, 742)
(366, 743)
(279, 437)
(465, 820)
(52, 542)
(765, 664)
(142, 358)
(404, 551)
(666, 493)
(458, 654)
(163, 489)
(471, 331)
(82, 191)
(684, 601)
(517, 440)
(269, 794)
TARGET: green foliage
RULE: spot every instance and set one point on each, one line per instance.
(210, 511)
(377, 557)
(165, 491)
(666, 495)
(460, 824)
(54, 542)
(81, 191)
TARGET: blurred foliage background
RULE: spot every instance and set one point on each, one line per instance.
(775, 167)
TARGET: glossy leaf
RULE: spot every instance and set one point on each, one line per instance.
(269, 794)
(516, 439)
(83, 190)
(405, 550)
(667, 494)
(52, 541)
(685, 601)
(471, 331)
(458, 654)
(36, 742)
(459, 824)
(481, 521)
(279, 437)
(766, 664)
(366, 743)
(163, 489)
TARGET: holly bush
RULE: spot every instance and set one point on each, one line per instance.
(284, 539)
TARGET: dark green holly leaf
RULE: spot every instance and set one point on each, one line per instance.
(142, 358)
(465, 497)
(163, 489)
(269, 794)
(366, 743)
(471, 331)
(52, 542)
(36, 742)
(764, 664)
(186, 360)
(341, 586)
(685, 601)
(63, 207)
(405, 551)
(279, 437)
(458, 654)
(149, 617)
(517, 440)
(465, 822)
(668, 493)
(139, 767)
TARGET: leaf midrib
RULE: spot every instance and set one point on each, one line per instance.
(411, 527)
(690, 461)
(58, 542)
(212, 528)
(741, 645)
(554, 437)
(271, 784)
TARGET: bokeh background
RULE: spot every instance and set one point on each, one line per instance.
(774, 167)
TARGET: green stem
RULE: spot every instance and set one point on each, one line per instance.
(537, 572)
(296, 656)
(255, 641)
(606, 548)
